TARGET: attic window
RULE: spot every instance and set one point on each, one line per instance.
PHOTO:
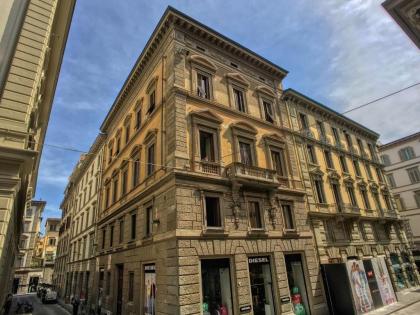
(201, 48)
(234, 65)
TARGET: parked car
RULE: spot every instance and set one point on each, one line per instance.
(50, 295)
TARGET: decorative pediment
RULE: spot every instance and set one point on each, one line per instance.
(333, 175)
(135, 150)
(265, 90)
(202, 61)
(316, 171)
(333, 252)
(374, 186)
(245, 127)
(139, 103)
(238, 78)
(274, 138)
(150, 135)
(127, 119)
(206, 115)
(152, 83)
(348, 180)
(361, 182)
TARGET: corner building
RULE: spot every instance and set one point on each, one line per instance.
(352, 212)
(203, 203)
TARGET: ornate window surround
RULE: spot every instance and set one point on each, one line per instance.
(238, 82)
(244, 132)
(200, 64)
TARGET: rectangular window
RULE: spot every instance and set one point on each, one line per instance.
(328, 159)
(108, 283)
(118, 145)
(110, 153)
(277, 158)
(289, 223)
(246, 153)
(352, 196)
(152, 102)
(337, 195)
(130, 286)
(387, 201)
(255, 219)
(311, 154)
(268, 111)
(348, 141)
(357, 167)
(111, 236)
(212, 212)
(336, 136)
(103, 237)
(115, 189)
(107, 195)
(127, 133)
(216, 286)
(390, 179)
(303, 121)
(207, 146)
(150, 159)
(362, 231)
(414, 174)
(407, 154)
(149, 285)
(121, 231)
(365, 197)
(400, 202)
(136, 172)
(124, 178)
(376, 199)
(343, 164)
(321, 129)
(385, 160)
(133, 226)
(261, 285)
(149, 221)
(91, 244)
(319, 190)
(360, 145)
(203, 85)
(239, 100)
(138, 119)
(368, 170)
(379, 174)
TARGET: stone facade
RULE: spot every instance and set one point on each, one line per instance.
(75, 254)
(402, 160)
(33, 35)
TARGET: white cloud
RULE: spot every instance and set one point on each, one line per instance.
(372, 57)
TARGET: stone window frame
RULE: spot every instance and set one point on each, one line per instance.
(202, 65)
(362, 187)
(149, 140)
(350, 185)
(209, 122)
(124, 168)
(107, 192)
(115, 189)
(266, 95)
(118, 145)
(127, 129)
(329, 231)
(246, 133)
(236, 81)
(328, 152)
(214, 194)
(134, 213)
(152, 88)
(318, 176)
(138, 114)
(134, 155)
(251, 197)
(275, 143)
(292, 207)
(145, 206)
(407, 153)
(336, 181)
(309, 156)
(110, 150)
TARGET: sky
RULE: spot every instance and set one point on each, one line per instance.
(340, 53)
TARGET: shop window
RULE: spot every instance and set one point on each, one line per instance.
(216, 287)
(268, 111)
(396, 266)
(277, 160)
(261, 285)
(131, 286)
(297, 283)
(203, 85)
(311, 154)
(239, 100)
(149, 221)
(255, 216)
(409, 271)
(207, 148)
(149, 291)
(212, 211)
(288, 218)
(245, 150)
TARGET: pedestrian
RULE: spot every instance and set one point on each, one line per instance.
(7, 304)
(75, 301)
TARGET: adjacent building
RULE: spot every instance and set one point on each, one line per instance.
(49, 248)
(33, 34)
(407, 14)
(75, 262)
(402, 166)
(28, 268)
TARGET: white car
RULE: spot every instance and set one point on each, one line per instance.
(49, 296)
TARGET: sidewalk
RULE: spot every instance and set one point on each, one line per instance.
(405, 299)
(67, 307)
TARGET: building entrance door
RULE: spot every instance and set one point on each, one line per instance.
(16, 282)
(373, 284)
(120, 280)
(33, 284)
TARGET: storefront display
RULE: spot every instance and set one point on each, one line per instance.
(261, 285)
(297, 284)
(409, 270)
(384, 282)
(360, 287)
(397, 271)
(372, 283)
(216, 287)
(149, 289)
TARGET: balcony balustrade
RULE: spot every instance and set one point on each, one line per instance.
(207, 167)
(252, 175)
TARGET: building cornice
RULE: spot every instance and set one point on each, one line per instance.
(399, 142)
(293, 95)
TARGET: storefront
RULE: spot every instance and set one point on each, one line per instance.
(261, 285)
(398, 271)
(149, 298)
(297, 284)
(409, 270)
(216, 287)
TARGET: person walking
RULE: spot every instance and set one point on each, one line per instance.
(75, 301)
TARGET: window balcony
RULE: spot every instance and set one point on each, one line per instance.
(348, 211)
(307, 133)
(207, 167)
(252, 175)
(389, 215)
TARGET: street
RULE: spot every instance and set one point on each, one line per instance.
(39, 308)
(411, 310)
